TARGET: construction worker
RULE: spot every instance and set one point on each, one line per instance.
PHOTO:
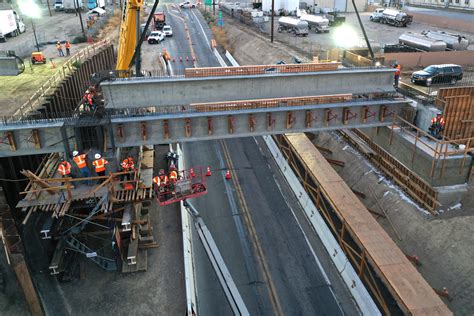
(89, 99)
(59, 47)
(156, 180)
(173, 175)
(68, 48)
(99, 164)
(127, 165)
(437, 125)
(81, 163)
(64, 168)
(398, 71)
(163, 178)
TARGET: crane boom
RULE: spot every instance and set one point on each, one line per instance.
(128, 34)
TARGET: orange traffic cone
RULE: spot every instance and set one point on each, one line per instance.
(227, 175)
(191, 173)
(208, 172)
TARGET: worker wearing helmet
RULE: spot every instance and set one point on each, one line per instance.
(128, 165)
(163, 178)
(64, 168)
(59, 47)
(99, 164)
(173, 175)
(81, 162)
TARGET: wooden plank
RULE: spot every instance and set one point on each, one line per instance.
(414, 294)
(24, 278)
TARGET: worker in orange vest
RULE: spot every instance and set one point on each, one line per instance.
(89, 99)
(64, 168)
(437, 125)
(81, 163)
(173, 175)
(68, 47)
(398, 72)
(127, 165)
(59, 47)
(163, 178)
(99, 164)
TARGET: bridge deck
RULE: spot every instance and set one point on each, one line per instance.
(414, 295)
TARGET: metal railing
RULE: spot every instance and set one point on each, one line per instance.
(35, 101)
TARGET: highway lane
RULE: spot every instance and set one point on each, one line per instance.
(270, 256)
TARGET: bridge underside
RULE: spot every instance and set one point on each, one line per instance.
(160, 125)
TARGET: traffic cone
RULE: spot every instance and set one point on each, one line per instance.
(227, 175)
(180, 59)
(191, 173)
(187, 58)
(174, 59)
(208, 172)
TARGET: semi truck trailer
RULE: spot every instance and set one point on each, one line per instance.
(10, 24)
(292, 25)
(391, 17)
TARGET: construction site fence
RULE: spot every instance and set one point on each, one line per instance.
(36, 100)
(440, 149)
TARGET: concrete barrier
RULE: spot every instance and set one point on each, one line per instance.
(9, 66)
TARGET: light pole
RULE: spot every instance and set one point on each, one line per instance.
(31, 10)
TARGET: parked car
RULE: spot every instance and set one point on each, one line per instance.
(187, 5)
(58, 5)
(156, 37)
(168, 30)
(436, 74)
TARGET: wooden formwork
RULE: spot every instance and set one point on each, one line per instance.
(373, 254)
(458, 104)
(258, 70)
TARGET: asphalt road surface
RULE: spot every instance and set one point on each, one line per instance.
(274, 257)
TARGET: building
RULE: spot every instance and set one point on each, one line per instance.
(451, 4)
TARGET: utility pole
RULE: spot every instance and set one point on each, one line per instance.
(272, 20)
(78, 10)
(49, 8)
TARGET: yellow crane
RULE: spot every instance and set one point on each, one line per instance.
(128, 34)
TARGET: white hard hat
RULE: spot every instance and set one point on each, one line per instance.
(97, 156)
(75, 153)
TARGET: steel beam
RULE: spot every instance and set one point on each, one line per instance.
(143, 92)
(189, 124)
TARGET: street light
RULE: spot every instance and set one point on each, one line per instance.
(31, 10)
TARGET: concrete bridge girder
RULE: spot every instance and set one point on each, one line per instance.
(143, 92)
(153, 128)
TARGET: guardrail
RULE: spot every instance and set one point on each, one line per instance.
(35, 101)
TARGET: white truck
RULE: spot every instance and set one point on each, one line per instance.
(391, 17)
(315, 22)
(10, 24)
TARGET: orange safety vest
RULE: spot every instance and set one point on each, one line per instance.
(398, 70)
(67, 45)
(100, 164)
(163, 180)
(173, 176)
(80, 161)
(127, 163)
(156, 179)
(435, 120)
(64, 168)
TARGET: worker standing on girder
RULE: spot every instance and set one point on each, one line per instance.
(64, 168)
(173, 174)
(437, 125)
(99, 164)
(398, 72)
(127, 165)
(81, 163)
(89, 99)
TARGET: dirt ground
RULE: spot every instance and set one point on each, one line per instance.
(443, 243)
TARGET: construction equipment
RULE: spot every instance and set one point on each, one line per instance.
(392, 17)
(38, 58)
(292, 25)
(317, 23)
(186, 187)
(160, 20)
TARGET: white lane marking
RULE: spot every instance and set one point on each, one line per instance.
(202, 29)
